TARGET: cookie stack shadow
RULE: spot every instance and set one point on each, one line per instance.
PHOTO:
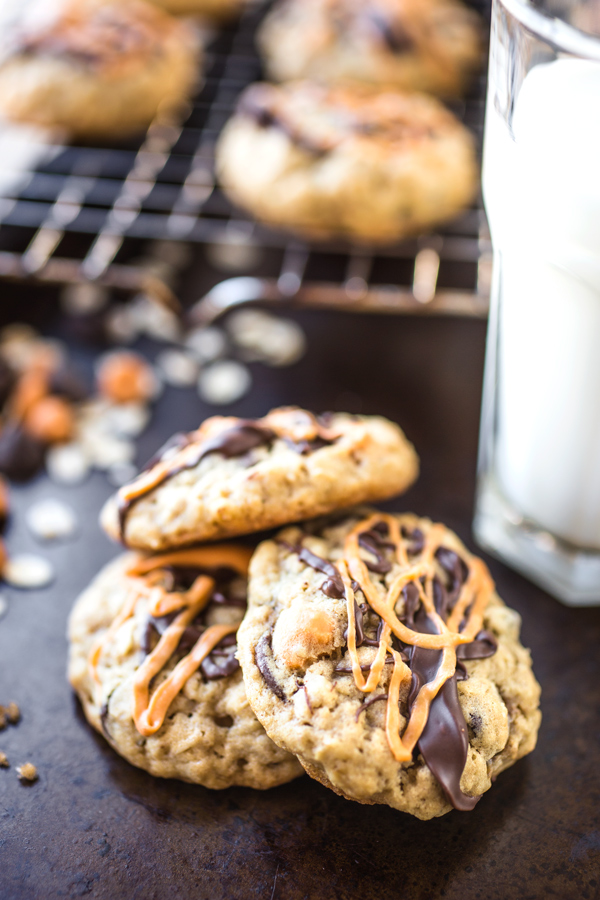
(367, 649)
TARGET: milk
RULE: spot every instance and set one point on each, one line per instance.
(542, 195)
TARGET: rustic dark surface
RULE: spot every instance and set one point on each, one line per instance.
(93, 825)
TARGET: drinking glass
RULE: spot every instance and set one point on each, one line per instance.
(538, 496)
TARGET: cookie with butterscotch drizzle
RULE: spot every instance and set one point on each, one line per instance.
(153, 660)
(234, 476)
(376, 649)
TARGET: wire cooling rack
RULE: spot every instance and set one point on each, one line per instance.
(163, 187)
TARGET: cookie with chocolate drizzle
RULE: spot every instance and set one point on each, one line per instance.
(153, 660)
(96, 68)
(420, 45)
(346, 161)
(236, 476)
(376, 650)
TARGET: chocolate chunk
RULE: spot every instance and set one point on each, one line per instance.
(453, 565)
(306, 447)
(373, 542)
(412, 601)
(417, 541)
(263, 656)
(21, 456)
(334, 586)
(358, 621)
(214, 667)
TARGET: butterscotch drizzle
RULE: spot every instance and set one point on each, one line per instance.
(150, 709)
(468, 610)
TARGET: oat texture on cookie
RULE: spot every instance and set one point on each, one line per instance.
(153, 659)
(398, 678)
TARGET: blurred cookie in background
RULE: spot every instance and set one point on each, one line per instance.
(341, 162)
(424, 45)
(96, 68)
(212, 9)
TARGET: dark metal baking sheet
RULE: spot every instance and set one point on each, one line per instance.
(94, 826)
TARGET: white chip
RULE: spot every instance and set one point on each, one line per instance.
(28, 571)
(121, 325)
(155, 320)
(178, 368)
(207, 344)
(67, 464)
(224, 382)
(3, 606)
(51, 519)
(284, 343)
(83, 299)
(109, 451)
(270, 339)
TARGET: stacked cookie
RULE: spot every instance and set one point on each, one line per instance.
(350, 145)
(374, 651)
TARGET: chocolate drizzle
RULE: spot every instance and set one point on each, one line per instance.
(442, 739)
(235, 441)
(221, 661)
(444, 742)
(374, 541)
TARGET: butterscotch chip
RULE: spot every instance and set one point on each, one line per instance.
(31, 387)
(12, 713)
(126, 377)
(422, 692)
(4, 763)
(27, 772)
(50, 420)
(235, 476)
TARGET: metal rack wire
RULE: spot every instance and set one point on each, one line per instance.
(164, 188)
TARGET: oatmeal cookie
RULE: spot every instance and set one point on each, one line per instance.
(153, 662)
(421, 45)
(96, 68)
(235, 476)
(376, 650)
(343, 162)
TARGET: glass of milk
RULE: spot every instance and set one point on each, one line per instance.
(538, 499)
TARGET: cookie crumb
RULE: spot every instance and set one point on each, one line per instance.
(27, 772)
(3, 721)
(12, 713)
(4, 763)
